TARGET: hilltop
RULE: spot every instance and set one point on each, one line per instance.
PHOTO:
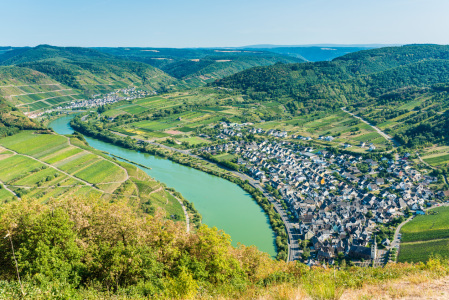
(86, 69)
(199, 66)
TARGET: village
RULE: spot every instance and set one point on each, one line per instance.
(337, 201)
(130, 93)
(99, 100)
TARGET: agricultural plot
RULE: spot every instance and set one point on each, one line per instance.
(425, 236)
(61, 155)
(46, 175)
(135, 109)
(438, 160)
(194, 140)
(5, 195)
(37, 145)
(153, 125)
(435, 225)
(422, 251)
(169, 204)
(15, 166)
(73, 165)
(102, 172)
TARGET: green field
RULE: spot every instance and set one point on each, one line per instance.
(32, 178)
(224, 157)
(422, 251)
(102, 171)
(194, 140)
(438, 160)
(426, 235)
(427, 227)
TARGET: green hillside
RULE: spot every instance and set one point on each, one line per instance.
(199, 66)
(345, 80)
(87, 69)
(43, 77)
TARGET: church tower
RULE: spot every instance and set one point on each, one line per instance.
(374, 249)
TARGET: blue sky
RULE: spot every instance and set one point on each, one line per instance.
(212, 23)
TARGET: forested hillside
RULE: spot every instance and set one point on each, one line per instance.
(198, 66)
(87, 69)
(12, 120)
(345, 80)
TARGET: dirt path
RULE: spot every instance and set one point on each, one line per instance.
(9, 190)
(57, 169)
(186, 215)
(383, 134)
(113, 162)
(156, 190)
(43, 100)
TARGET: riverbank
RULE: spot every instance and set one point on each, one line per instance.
(275, 220)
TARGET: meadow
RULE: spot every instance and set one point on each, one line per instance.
(435, 225)
(422, 251)
(437, 160)
(425, 235)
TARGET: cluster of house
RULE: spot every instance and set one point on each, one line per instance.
(99, 100)
(337, 205)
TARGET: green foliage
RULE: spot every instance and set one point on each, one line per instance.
(427, 227)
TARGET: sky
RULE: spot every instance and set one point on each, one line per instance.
(225, 23)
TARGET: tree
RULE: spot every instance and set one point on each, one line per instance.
(306, 253)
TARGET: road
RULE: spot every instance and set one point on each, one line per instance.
(396, 241)
(293, 236)
(383, 134)
(421, 160)
(9, 190)
(185, 213)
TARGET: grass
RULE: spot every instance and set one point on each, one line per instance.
(425, 235)
(438, 160)
(5, 195)
(61, 155)
(422, 251)
(102, 172)
(38, 145)
(427, 227)
(42, 175)
(169, 203)
(14, 166)
(224, 157)
(194, 140)
(73, 165)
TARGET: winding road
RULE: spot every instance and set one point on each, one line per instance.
(383, 134)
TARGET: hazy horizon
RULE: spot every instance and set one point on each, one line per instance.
(207, 24)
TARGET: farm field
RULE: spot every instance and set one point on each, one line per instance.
(90, 173)
(427, 227)
(425, 235)
(422, 251)
(437, 160)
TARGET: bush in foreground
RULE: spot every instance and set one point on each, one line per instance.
(89, 248)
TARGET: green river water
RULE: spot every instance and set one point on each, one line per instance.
(221, 203)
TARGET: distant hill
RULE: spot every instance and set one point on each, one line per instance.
(315, 53)
(45, 76)
(346, 79)
(199, 66)
(86, 69)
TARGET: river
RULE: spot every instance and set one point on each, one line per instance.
(221, 203)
